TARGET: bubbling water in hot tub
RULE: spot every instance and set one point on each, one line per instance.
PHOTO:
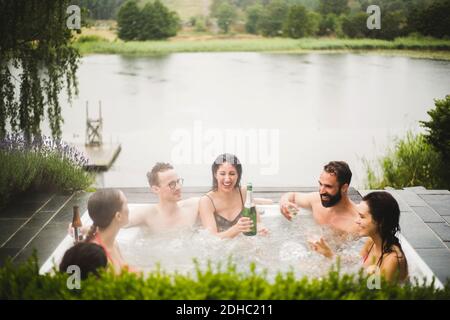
(285, 248)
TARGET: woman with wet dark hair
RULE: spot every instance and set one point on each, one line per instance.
(108, 209)
(89, 257)
(379, 216)
(221, 208)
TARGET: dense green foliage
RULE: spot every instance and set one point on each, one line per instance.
(333, 6)
(418, 160)
(344, 18)
(412, 162)
(273, 18)
(300, 23)
(438, 128)
(24, 282)
(225, 14)
(43, 165)
(153, 22)
(36, 60)
(128, 19)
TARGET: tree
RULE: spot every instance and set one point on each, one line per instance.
(435, 20)
(36, 61)
(254, 14)
(299, 22)
(226, 14)
(273, 18)
(167, 23)
(329, 25)
(128, 19)
(355, 25)
(155, 21)
(393, 25)
(438, 133)
(337, 7)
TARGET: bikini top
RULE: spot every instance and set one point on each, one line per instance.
(222, 223)
(97, 239)
(367, 255)
(398, 259)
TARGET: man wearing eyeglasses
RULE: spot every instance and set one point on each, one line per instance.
(170, 212)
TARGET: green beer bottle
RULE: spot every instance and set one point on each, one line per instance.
(250, 210)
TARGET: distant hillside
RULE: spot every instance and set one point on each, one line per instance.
(186, 8)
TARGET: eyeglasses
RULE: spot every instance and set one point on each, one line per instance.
(173, 184)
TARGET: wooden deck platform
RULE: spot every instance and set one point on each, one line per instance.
(100, 158)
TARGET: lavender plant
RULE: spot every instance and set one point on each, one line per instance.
(43, 164)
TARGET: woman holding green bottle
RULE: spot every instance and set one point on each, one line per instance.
(221, 209)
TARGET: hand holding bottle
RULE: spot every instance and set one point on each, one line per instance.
(244, 224)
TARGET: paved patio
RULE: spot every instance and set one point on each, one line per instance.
(40, 221)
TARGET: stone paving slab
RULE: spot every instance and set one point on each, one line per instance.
(21, 238)
(440, 203)
(431, 192)
(20, 210)
(66, 212)
(45, 242)
(427, 214)
(410, 198)
(55, 203)
(418, 233)
(438, 260)
(442, 230)
(8, 227)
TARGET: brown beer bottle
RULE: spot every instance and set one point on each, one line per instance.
(76, 224)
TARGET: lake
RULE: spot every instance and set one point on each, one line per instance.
(284, 115)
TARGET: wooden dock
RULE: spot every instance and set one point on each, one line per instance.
(100, 158)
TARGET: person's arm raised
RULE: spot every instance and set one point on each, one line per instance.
(138, 215)
(291, 202)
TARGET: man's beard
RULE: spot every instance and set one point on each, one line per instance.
(333, 200)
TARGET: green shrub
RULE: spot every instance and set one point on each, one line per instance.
(412, 162)
(153, 22)
(43, 166)
(23, 282)
(438, 127)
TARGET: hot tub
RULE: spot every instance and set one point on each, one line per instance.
(284, 249)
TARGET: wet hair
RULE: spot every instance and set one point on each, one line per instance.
(341, 170)
(226, 158)
(385, 213)
(102, 208)
(152, 176)
(89, 257)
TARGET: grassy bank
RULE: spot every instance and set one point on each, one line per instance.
(423, 47)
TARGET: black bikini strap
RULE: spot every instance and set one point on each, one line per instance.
(215, 210)
(368, 252)
(242, 199)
